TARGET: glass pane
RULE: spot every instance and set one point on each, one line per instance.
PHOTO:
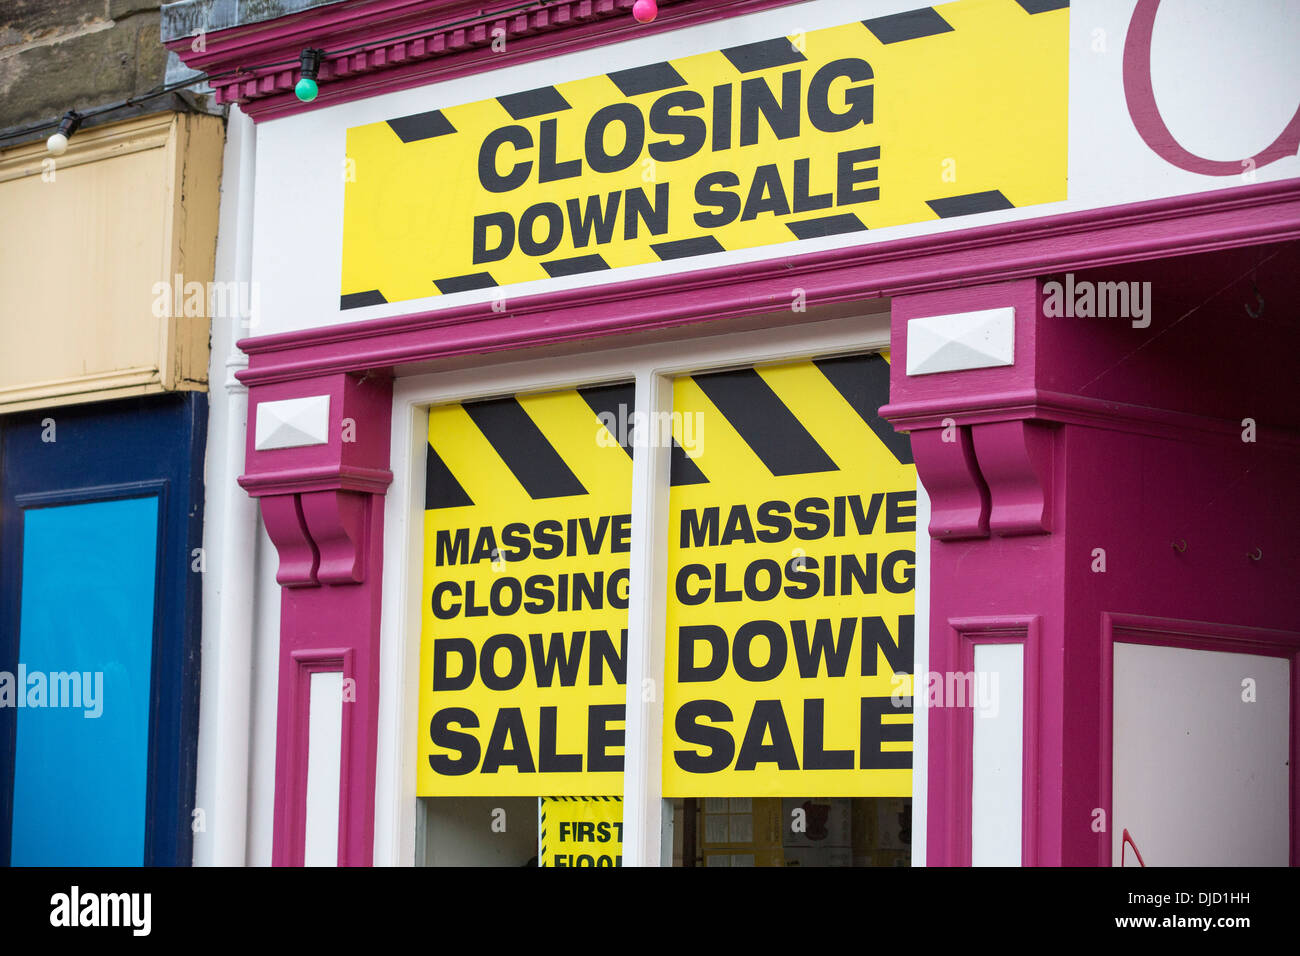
(794, 831)
(85, 656)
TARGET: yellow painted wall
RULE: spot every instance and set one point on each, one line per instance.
(83, 242)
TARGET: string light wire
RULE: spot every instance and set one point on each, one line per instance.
(168, 88)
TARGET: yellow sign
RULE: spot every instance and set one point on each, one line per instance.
(523, 653)
(791, 574)
(933, 113)
(580, 831)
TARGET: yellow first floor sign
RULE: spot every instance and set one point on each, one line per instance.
(580, 831)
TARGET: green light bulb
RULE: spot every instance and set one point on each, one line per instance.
(306, 89)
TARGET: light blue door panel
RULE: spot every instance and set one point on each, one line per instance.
(81, 759)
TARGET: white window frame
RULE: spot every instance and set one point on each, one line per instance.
(647, 816)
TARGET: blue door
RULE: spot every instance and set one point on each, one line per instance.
(100, 580)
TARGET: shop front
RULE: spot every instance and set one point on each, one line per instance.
(771, 434)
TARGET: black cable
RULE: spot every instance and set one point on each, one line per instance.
(164, 89)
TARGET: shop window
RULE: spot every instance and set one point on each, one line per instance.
(790, 630)
(787, 572)
(524, 641)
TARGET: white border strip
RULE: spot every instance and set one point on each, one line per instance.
(324, 768)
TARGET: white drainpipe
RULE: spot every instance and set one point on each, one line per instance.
(230, 537)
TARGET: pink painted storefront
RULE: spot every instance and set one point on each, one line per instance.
(1087, 299)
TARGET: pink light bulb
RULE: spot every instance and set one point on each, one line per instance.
(645, 10)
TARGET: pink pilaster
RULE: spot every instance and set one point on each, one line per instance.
(989, 463)
(322, 506)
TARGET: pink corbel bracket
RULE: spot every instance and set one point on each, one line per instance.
(316, 495)
(337, 522)
(1015, 458)
(959, 501)
(283, 518)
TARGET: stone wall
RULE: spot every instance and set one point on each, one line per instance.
(57, 55)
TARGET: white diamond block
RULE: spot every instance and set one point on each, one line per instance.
(293, 423)
(963, 340)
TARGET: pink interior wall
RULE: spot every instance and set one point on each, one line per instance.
(1223, 340)
(1141, 498)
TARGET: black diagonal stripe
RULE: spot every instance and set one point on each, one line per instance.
(763, 54)
(863, 380)
(534, 102)
(619, 400)
(616, 401)
(912, 25)
(647, 79)
(441, 489)
(359, 300)
(525, 450)
(475, 280)
(575, 265)
(418, 126)
(682, 469)
(828, 225)
(1043, 6)
(765, 422)
(969, 204)
(683, 248)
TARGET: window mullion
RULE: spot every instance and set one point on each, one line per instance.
(643, 829)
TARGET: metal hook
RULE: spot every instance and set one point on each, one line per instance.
(1180, 545)
(1255, 555)
(1259, 297)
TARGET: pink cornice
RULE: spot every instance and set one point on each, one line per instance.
(1200, 222)
(317, 478)
(439, 41)
(1047, 406)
